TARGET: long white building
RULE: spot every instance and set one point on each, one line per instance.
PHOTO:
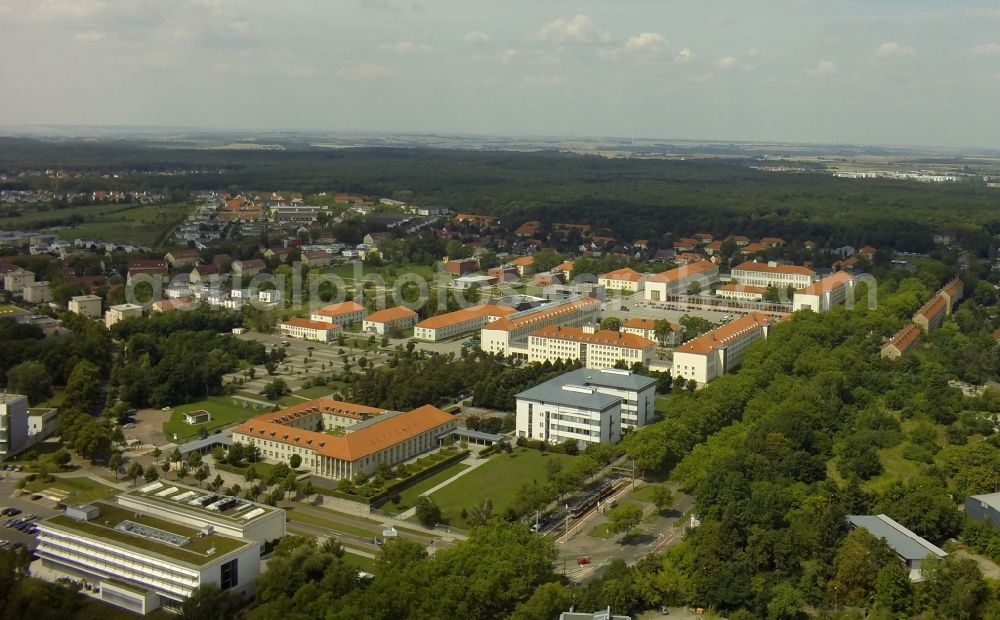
(721, 350)
(637, 392)
(773, 274)
(554, 413)
(822, 295)
(594, 348)
(152, 547)
(460, 322)
(13, 424)
(510, 334)
(676, 281)
(306, 329)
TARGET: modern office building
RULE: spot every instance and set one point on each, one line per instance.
(822, 295)
(13, 424)
(773, 274)
(460, 322)
(317, 331)
(594, 348)
(382, 322)
(638, 392)
(554, 412)
(510, 334)
(721, 350)
(677, 281)
(86, 305)
(153, 546)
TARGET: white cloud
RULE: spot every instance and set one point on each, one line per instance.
(727, 63)
(91, 36)
(646, 42)
(406, 47)
(985, 49)
(476, 36)
(823, 68)
(579, 29)
(58, 10)
(684, 57)
(369, 72)
(895, 50)
(507, 55)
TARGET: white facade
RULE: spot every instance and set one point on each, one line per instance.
(459, 322)
(309, 330)
(511, 334)
(721, 350)
(593, 348)
(385, 321)
(676, 281)
(567, 412)
(86, 305)
(342, 314)
(773, 274)
(625, 280)
(15, 281)
(13, 424)
(823, 295)
(37, 292)
(120, 313)
(742, 292)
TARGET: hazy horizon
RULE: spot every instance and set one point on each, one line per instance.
(878, 73)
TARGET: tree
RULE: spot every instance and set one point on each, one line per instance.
(31, 379)
(210, 602)
(150, 474)
(893, 588)
(428, 513)
(175, 456)
(156, 454)
(662, 329)
(218, 482)
(194, 460)
(546, 602)
(250, 474)
(294, 461)
(694, 288)
(624, 518)
(786, 602)
(662, 497)
(201, 474)
(115, 462)
(275, 389)
(83, 389)
(855, 568)
(611, 322)
(134, 471)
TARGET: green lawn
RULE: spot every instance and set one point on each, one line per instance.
(311, 519)
(498, 480)
(360, 562)
(263, 469)
(81, 490)
(660, 404)
(224, 412)
(113, 222)
(314, 392)
(408, 498)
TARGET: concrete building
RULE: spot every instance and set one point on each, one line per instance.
(901, 342)
(392, 438)
(37, 292)
(822, 295)
(473, 279)
(42, 423)
(911, 549)
(647, 329)
(343, 314)
(721, 350)
(86, 305)
(461, 267)
(153, 546)
(317, 259)
(773, 274)
(386, 321)
(120, 313)
(594, 348)
(13, 424)
(509, 335)
(677, 281)
(15, 281)
(460, 322)
(556, 413)
(741, 292)
(305, 329)
(637, 392)
(984, 508)
(627, 280)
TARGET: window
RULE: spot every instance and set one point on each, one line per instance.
(230, 576)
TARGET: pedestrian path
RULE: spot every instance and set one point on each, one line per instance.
(406, 514)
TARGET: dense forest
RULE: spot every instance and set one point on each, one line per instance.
(632, 198)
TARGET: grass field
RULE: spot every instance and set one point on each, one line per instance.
(497, 480)
(81, 490)
(660, 404)
(144, 224)
(223, 412)
(408, 498)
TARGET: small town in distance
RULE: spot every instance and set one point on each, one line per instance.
(428, 309)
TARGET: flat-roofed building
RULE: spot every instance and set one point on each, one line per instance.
(912, 550)
(984, 508)
(594, 348)
(344, 313)
(385, 321)
(773, 274)
(86, 305)
(721, 350)
(13, 424)
(460, 322)
(305, 329)
(626, 279)
(461, 267)
(14, 281)
(901, 342)
(637, 392)
(559, 412)
(741, 292)
(677, 281)
(822, 295)
(121, 312)
(37, 292)
(391, 438)
(509, 335)
(153, 546)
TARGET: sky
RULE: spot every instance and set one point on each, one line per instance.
(890, 72)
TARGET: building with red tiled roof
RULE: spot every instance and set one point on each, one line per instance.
(378, 437)
(953, 293)
(867, 252)
(647, 329)
(754, 248)
(688, 258)
(246, 269)
(385, 321)
(721, 350)
(772, 242)
(931, 314)
(773, 274)
(901, 342)
(305, 329)
(686, 245)
(743, 292)
(703, 237)
(528, 229)
(739, 240)
(525, 265)
(595, 348)
(713, 247)
(185, 257)
(477, 220)
(344, 313)
(677, 281)
(625, 279)
(822, 295)
(510, 334)
(146, 267)
(460, 322)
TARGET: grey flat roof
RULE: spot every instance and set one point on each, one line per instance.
(553, 392)
(990, 499)
(211, 440)
(905, 543)
(611, 378)
(471, 434)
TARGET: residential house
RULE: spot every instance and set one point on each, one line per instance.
(901, 342)
(180, 259)
(525, 265)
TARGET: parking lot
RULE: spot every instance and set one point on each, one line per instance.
(41, 507)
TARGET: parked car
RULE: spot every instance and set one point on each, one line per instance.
(10, 512)
(583, 559)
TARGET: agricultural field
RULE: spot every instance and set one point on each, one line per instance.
(145, 224)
